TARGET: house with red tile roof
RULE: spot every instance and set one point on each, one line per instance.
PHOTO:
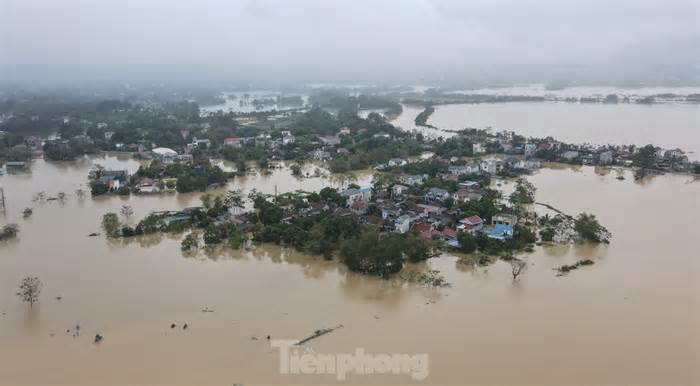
(471, 224)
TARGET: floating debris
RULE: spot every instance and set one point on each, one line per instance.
(318, 333)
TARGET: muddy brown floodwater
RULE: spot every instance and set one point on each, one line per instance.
(632, 318)
(668, 125)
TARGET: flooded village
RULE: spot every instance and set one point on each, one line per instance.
(177, 240)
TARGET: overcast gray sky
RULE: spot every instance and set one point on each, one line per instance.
(349, 40)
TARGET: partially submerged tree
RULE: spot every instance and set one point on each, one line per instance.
(589, 229)
(8, 231)
(190, 242)
(206, 200)
(29, 290)
(524, 192)
(127, 211)
(467, 242)
(234, 199)
(110, 223)
(645, 157)
(296, 170)
(517, 267)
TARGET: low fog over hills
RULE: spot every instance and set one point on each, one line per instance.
(394, 41)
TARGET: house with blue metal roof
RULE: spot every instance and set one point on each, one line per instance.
(500, 232)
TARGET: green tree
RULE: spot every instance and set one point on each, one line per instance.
(214, 234)
(414, 248)
(467, 242)
(369, 253)
(190, 242)
(236, 238)
(588, 228)
(547, 234)
(110, 224)
(646, 157)
(206, 201)
(29, 290)
(98, 187)
(268, 212)
(234, 199)
(331, 195)
(524, 192)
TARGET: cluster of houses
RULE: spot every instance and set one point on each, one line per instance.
(588, 154)
(116, 181)
(431, 219)
(235, 216)
(392, 211)
(526, 156)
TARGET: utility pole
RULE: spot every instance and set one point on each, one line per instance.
(2, 198)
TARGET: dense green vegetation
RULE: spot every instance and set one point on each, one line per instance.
(190, 179)
(589, 229)
(68, 151)
(110, 224)
(422, 118)
(189, 243)
(524, 192)
(523, 239)
(645, 158)
(340, 99)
